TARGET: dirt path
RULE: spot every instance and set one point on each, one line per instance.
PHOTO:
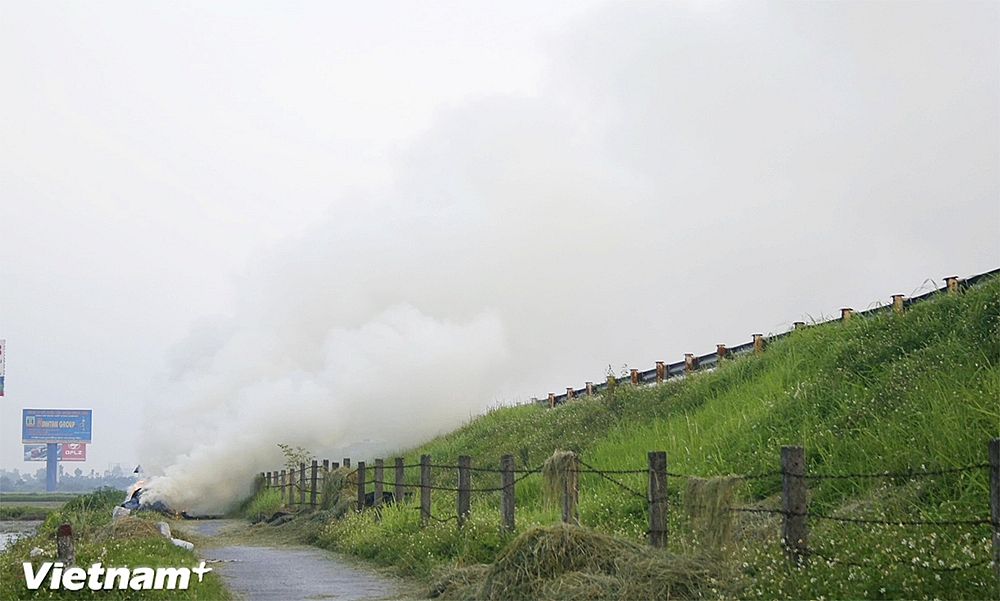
(281, 572)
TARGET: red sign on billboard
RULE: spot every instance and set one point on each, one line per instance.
(73, 451)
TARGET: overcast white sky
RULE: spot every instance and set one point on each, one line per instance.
(214, 213)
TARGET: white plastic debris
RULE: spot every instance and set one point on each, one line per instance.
(164, 529)
(37, 551)
(182, 543)
(120, 512)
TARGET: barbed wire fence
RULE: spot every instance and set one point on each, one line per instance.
(794, 511)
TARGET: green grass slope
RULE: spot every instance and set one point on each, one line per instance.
(919, 391)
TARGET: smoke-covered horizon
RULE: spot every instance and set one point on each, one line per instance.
(681, 175)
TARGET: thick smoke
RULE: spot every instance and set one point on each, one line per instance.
(674, 154)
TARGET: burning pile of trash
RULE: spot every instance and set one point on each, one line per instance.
(134, 501)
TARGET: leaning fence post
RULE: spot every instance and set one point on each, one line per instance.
(507, 492)
(657, 498)
(425, 488)
(64, 545)
(795, 530)
(377, 481)
(398, 491)
(994, 453)
(302, 484)
(361, 485)
(312, 491)
(464, 486)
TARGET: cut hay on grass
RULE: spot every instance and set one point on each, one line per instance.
(129, 528)
(572, 562)
(707, 501)
(457, 583)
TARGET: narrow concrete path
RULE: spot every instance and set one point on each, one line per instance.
(266, 573)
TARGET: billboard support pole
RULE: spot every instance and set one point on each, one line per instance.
(51, 470)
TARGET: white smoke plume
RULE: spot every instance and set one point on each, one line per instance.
(675, 153)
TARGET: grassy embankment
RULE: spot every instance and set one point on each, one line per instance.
(128, 542)
(886, 393)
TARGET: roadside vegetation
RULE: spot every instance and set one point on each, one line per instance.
(127, 542)
(888, 393)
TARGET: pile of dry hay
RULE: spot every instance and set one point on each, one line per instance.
(129, 528)
(572, 562)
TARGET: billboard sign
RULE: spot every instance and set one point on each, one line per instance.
(68, 451)
(55, 425)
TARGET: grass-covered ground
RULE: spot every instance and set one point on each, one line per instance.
(897, 393)
(129, 542)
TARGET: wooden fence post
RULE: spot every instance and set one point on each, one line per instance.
(302, 484)
(326, 467)
(552, 400)
(590, 389)
(361, 486)
(661, 370)
(570, 493)
(377, 480)
(795, 531)
(845, 314)
(425, 489)
(335, 465)
(952, 283)
(657, 498)
(611, 383)
(690, 363)
(64, 545)
(507, 492)
(569, 393)
(312, 483)
(399, 491)
(994, 454)
(798, 325)
(283, 478)
(634, 377)
(464, 484)
(347, 462)
(758, 343)
(720, 353)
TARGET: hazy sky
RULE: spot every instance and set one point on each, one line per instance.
(228, 225)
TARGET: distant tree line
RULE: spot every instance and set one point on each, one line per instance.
(77, 481)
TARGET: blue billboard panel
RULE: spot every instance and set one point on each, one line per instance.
(56, 425)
